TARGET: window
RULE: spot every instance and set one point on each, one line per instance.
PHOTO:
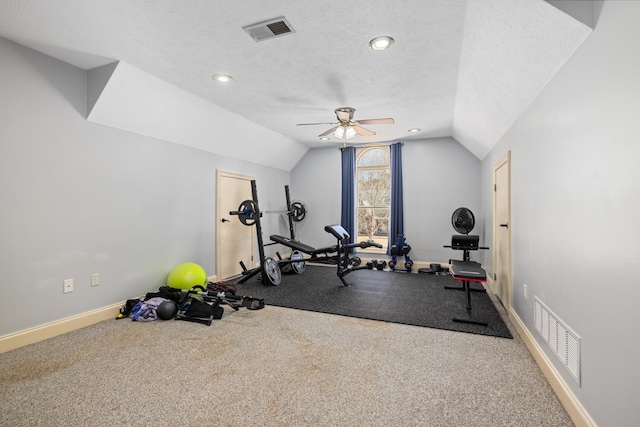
(373, 180)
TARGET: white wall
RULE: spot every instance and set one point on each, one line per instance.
(78, 198)
(575, 198)
(439, 175)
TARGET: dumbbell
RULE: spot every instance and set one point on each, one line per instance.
(408, 264)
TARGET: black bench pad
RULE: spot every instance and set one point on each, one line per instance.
(468, 270)
(294, 244)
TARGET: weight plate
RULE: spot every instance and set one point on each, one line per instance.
(248, 212)
(272, 270)
(298, 267)
(298, 212)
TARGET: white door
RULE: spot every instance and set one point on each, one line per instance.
(235, 241)
(502, 230)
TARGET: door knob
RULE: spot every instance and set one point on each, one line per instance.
(224, 220)
(504, 225)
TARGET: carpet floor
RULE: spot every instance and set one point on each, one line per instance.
(410, 299)
(276, 367)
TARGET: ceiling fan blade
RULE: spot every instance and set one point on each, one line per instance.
(310, 124)
(387, 121)
(362, 131)
(330, 131)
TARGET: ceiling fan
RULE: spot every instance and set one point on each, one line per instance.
(347, 128)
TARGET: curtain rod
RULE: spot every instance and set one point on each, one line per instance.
(372, 144)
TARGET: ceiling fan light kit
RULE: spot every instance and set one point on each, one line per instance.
(345, 132)
(346, 127)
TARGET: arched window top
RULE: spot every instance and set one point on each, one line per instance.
(375, 156)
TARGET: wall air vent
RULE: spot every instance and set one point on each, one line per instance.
(564, 343)
(269, 29)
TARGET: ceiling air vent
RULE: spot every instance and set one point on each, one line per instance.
(269, 29)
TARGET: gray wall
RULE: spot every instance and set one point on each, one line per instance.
(317, 181)
(575, 199)
(439, 175)
(78, 198)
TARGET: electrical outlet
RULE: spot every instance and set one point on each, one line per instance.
(526, 294)
(95, 279)
(68, 286)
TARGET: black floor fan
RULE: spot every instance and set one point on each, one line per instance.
(463, 220)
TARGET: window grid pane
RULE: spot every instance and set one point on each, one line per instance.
(374, 157)
(373, 177)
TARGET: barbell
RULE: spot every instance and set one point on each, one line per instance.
(248, 212)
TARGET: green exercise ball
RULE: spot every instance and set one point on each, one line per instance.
(186, 276)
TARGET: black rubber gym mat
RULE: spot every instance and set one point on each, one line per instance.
(407, 298)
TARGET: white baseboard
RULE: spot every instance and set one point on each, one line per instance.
(58, 327)
(572, 405)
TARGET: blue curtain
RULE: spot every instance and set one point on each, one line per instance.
(396, 216)
(348, 212)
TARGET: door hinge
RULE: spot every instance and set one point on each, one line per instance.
(495, 187)
(495, 277)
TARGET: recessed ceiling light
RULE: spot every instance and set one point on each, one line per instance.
(414, 130)
(324, 138)
(381, 43)
(222, 78)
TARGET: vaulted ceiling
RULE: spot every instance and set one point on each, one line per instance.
(460, 68)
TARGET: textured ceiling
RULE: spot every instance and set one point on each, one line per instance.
(461, 68)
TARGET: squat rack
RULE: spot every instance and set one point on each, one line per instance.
(249, 214)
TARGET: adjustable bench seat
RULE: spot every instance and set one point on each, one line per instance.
(294, 244)
(468, 270)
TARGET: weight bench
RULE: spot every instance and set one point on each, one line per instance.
(468, 271)
(465, 243)
(347, 264)
(309, 250)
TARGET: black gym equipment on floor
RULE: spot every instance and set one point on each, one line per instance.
(466, 271)
(249, 214)
(201, 305)
(400, 248)
(316, 255)
(346, 263)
